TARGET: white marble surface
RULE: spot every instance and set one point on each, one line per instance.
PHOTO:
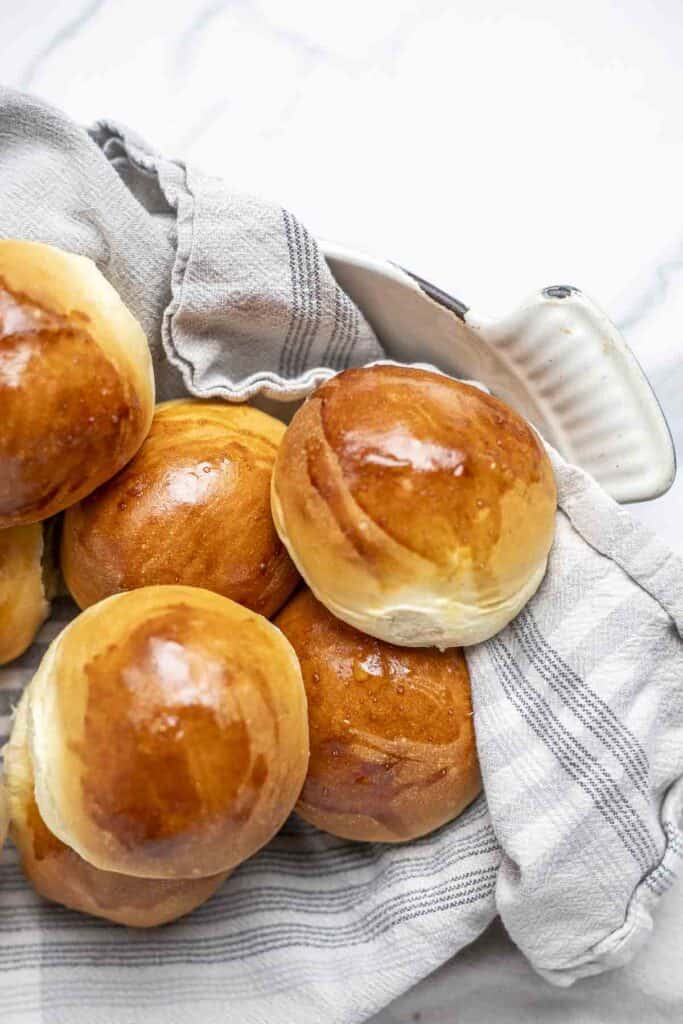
(491, 147)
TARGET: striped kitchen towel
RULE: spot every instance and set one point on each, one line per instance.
(232, 291)
(578, 703)
(312, 930)
(579, 719)
(579, 716)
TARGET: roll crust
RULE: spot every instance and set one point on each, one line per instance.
(169, 735)
(192, 507)
(60, 875)
(393, 752)
(23, 601)
(76, 384)
(418, 509)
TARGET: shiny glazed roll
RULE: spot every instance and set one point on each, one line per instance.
(193, 507)
(59, 874)
(168, 732)
(76, 384)
(418, 509)
(393, 752)
(23, 598)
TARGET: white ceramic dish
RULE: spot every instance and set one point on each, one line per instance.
(557, 359)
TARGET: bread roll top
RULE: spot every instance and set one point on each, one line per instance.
(418, 508)
(168, 733)
(393, 752)
(192, 507)
(76, 384)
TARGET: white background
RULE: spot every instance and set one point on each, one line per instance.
(492, 147)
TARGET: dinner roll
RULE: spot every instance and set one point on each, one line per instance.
(23, 598)
(393, 752)
(59, 874)
(76, 385)
(168, 732)
(418, 509)
(192, 507)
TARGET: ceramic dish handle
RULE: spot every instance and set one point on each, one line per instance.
(583, 389)
(557, 359)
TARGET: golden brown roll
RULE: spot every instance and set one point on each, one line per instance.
(393, 752)
(59, 874)
(193, 507)
(418, 509)
(168, 732)
(23, 599)
(76, 384)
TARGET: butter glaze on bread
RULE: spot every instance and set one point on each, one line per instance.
(168, 733)
(23, 601)
(76, 384)
(59, 874)
(418, 509)
(192, 507)
(393, 752)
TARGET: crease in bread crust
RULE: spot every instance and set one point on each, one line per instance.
(440, 621)
(354, 500)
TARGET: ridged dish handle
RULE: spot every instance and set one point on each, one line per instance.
(567, 367)
(557, 359)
